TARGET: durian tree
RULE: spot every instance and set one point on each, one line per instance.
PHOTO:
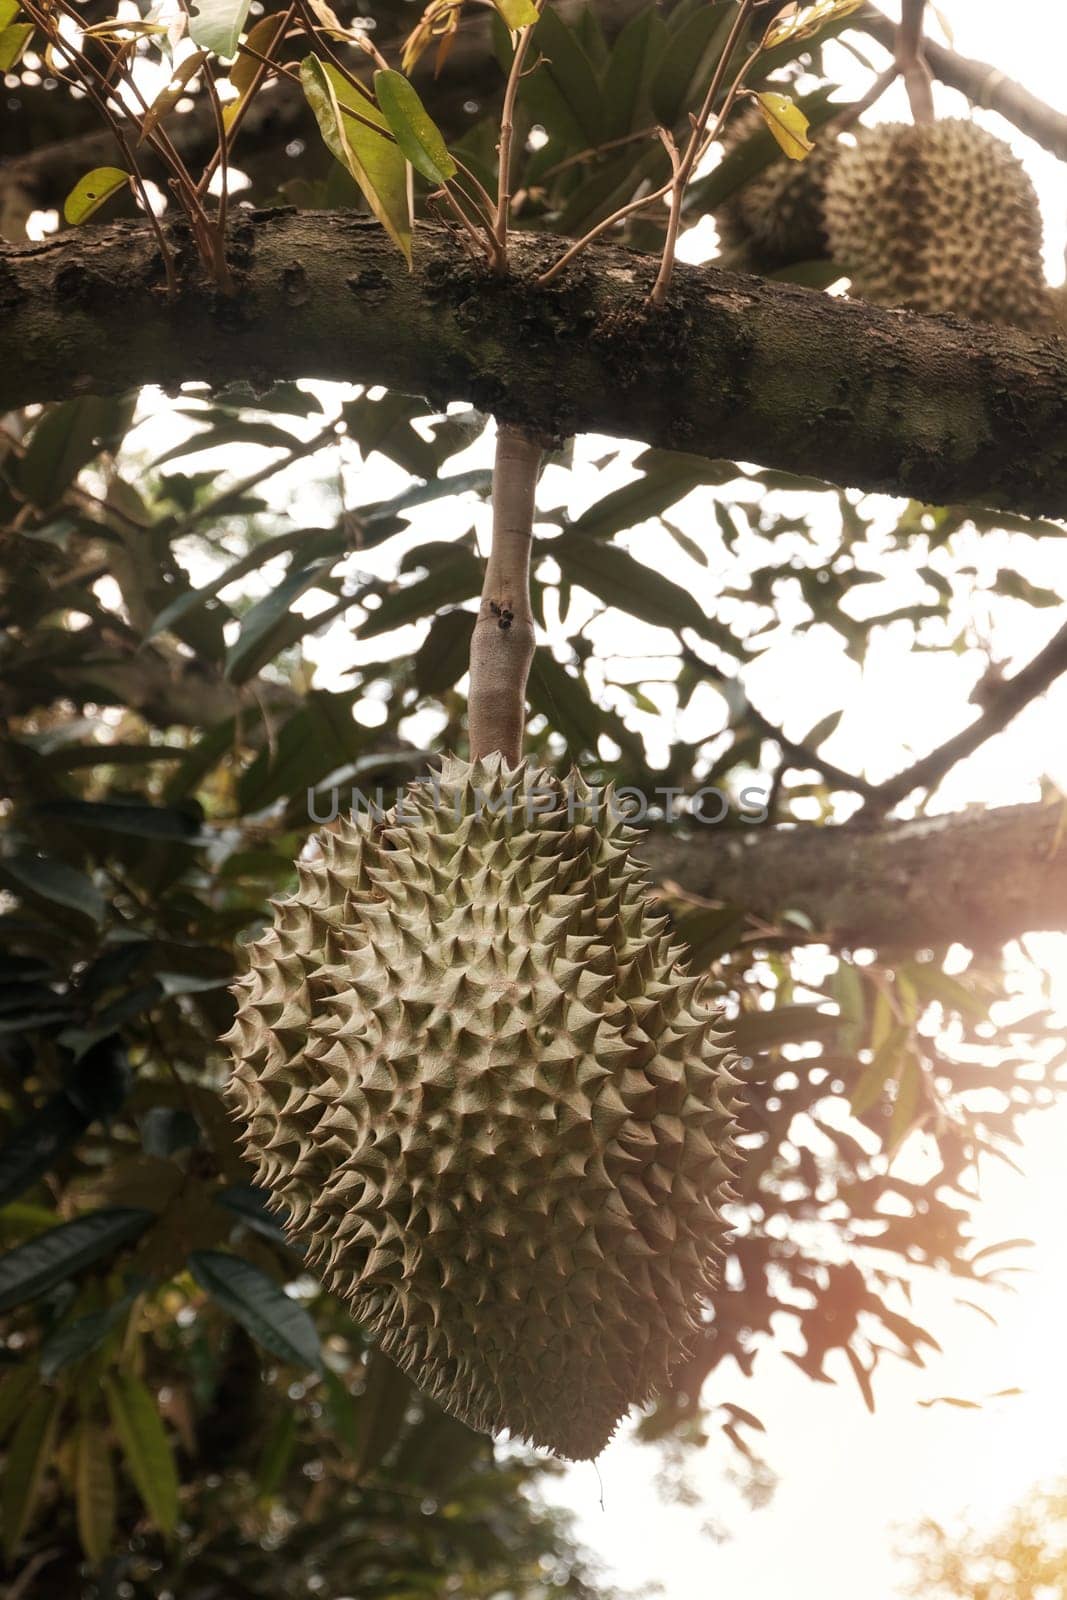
(233, 1375)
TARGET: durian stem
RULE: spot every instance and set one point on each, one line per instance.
(912, 63)
(502, 645)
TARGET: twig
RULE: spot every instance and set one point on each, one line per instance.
(683, 169)
(507, 131)
(253, 89)
(502, 645)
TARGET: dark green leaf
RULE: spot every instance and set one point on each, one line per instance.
(279, 1323)
(41, 1263)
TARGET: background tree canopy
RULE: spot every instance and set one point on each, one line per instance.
(228, 602)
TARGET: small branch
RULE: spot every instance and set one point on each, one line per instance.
(502, 645)
(507, 133)
(911, 63)
(1014, 696)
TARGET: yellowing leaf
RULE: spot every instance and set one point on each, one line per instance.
(413, 128)
(517, 13)
(262, 39)
(788, 124)
(13, 42)
(146, 1446)
(350, 125)
(27, 1457)
(168, 98)
(90, 192)
(94, 1488)
(806, 21)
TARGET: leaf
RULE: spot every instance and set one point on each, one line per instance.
(29, 1454)
(517, 13)
(249, 1203)
(790, 1024)
(444, 655)
(129, 818)
(320, 737)
(869, 1089)
(277, 1454)
(342, 1410)
(630, 69)
(787, 123)
(35, 1146)
(41, 1263)
(13, 42)
(412, 127)
(262, 38)
(664, 483)
(375, 161)
(216, 25)
(619, 580)
(72, 1341)
(690, 53)
(561, 90)
(146, 1447)
(453, 580)
(253, 646)
(19, 1384)
(564, 699)
(380, 1411)
(259, 1305)
(168, 97)
(90, 192)
(67, 437)
(94, 1491)
(55, 881)
(906, 1104)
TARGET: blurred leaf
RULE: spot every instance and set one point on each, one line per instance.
(278, 1322)
(456, 579)
(66, 438)
(146, 1447)
(257, 640)
(871, 1085)
(216, 25)
(28, 1456)
(444, 655)
(94, 1490)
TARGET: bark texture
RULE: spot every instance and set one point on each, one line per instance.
(944, 411)
(977, 877)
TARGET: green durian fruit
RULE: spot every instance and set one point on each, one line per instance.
(470, 1062)
(939, 218)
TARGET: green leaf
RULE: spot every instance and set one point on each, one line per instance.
(616, 578)
(564, 699)
(55, 881)
(320, 736)
(41, 1263)
(72, 1341)
(412, 127)
(373, 158)
(15, 1391)
(688, 59)
(453, 580)
(561, 91)
(380, 1411)
(874, 1078)
(259, 1305)
(517, 13)
(630, 70)
(27, 1458)
(13, 42)
(257, 641)
(129, 818)
(444, 655)
(90, 192)
(277, 1454)
(94, 1491)
(790, 1024)
(341, 1408)
(67, 437)
(907, 1104)
(146, 1447)
(216, 24)
(664, 483)
(41, 1139)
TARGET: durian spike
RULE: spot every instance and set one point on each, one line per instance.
(502, 645)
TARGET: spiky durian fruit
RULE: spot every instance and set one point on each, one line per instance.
(940, 218)
(472, 1064)
(776, 219)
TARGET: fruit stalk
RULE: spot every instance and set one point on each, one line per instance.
(502, 644)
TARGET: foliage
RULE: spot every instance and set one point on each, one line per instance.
(1023, 1558)
(172, 1373)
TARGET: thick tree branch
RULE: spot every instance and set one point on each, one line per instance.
(982, 84)
(979, 878)
(940, 410)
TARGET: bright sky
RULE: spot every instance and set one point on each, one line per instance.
(847, 1481)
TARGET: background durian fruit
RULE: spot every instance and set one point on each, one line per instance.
(471, 1063)
(777, 218)
(939, 217)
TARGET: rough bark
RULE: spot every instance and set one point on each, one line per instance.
(979, 878)
(944, 411)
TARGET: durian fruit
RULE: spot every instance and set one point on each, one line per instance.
(470, 1062)
(939, 217)
(776, 219)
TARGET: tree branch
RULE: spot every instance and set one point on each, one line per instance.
(940, 410)
(977, 877)
(982, 84)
